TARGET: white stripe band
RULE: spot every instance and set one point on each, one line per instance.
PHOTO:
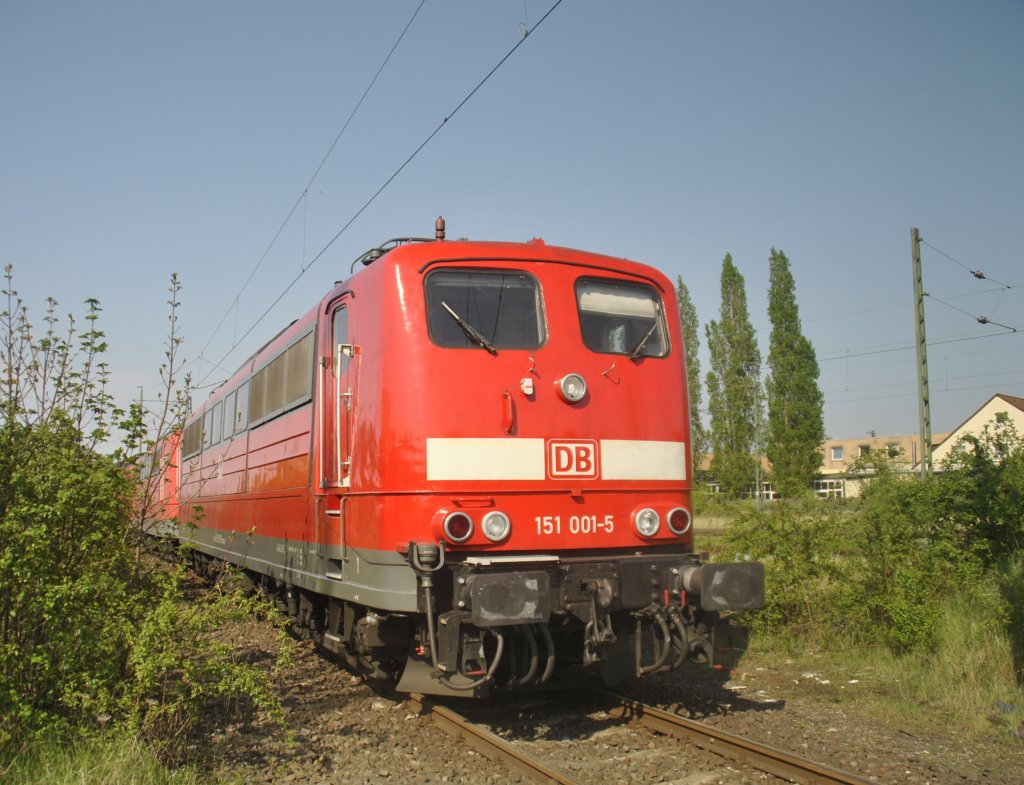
(631, 459)
(485, 459)
(524, 459)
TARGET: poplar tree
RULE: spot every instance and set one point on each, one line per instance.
(691, 338)
(733, 387)
(796, 426)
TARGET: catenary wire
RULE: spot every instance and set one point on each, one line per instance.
(934, 393)
(978, 319)
(911, 346)
(912, 382)
(378, 192)
(302, 197)
(976, 273)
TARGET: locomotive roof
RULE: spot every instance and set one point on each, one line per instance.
(421, 254)
(532, 251)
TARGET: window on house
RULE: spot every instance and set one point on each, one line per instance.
(837, 453)
(830, 489)
(864, 450)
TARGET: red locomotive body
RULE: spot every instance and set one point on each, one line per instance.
(159, 483)
(466, 467)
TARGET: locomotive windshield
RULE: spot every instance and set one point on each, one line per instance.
(617, 317)
(492, 309)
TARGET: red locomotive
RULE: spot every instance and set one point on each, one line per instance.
(467, 467)
(157, 503)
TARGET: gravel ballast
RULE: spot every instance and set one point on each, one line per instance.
(341, 730)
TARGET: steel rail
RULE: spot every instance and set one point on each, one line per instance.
(761, 756)
(489, 744)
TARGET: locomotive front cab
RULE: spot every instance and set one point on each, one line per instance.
(550, 438)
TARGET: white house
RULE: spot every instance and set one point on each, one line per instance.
(999, 403)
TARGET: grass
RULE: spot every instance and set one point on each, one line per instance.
(971, 680)
(103, 760)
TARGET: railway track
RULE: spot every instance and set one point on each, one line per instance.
(742, 753)
(488, 744)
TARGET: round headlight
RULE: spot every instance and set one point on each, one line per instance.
(496, 526)
(458, 527)
(647, 522)
(679, 520)
(572, 387)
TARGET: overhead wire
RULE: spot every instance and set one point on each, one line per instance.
(935, 393)
(912, 382)
(302, 196)
(905, 347)
(386, 183)
(978, 319)
(976, 273)
(981, 276)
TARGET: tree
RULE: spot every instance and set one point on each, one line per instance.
(691, 336)
(796, 426)
(733, 387)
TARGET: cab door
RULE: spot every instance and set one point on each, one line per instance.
(335, 392)
(342, 373)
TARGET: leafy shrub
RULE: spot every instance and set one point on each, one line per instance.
(877, 570)
(67, 578)
(89, 632)
(181, 666)
(914, 556)
(982, 490)
(801, 546)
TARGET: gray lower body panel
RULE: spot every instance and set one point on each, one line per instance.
(376, 579)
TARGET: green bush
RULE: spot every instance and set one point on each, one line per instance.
(877, 570)
(913, 554)
(181, 666)
(91, 634)
(67, 579)
(982, 490)
(801, 546)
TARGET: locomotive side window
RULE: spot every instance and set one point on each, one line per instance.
(618, 317)
(207, 429)
(218, 421)
(192, 438)
(241, 414)
(229, 415)
(492, 309)
(284, 382)
(339, 337)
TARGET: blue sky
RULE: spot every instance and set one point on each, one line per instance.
(137, 139)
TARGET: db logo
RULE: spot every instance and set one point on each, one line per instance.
(572, 459)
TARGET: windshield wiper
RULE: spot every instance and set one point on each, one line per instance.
(470, 330)
(643, 341)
